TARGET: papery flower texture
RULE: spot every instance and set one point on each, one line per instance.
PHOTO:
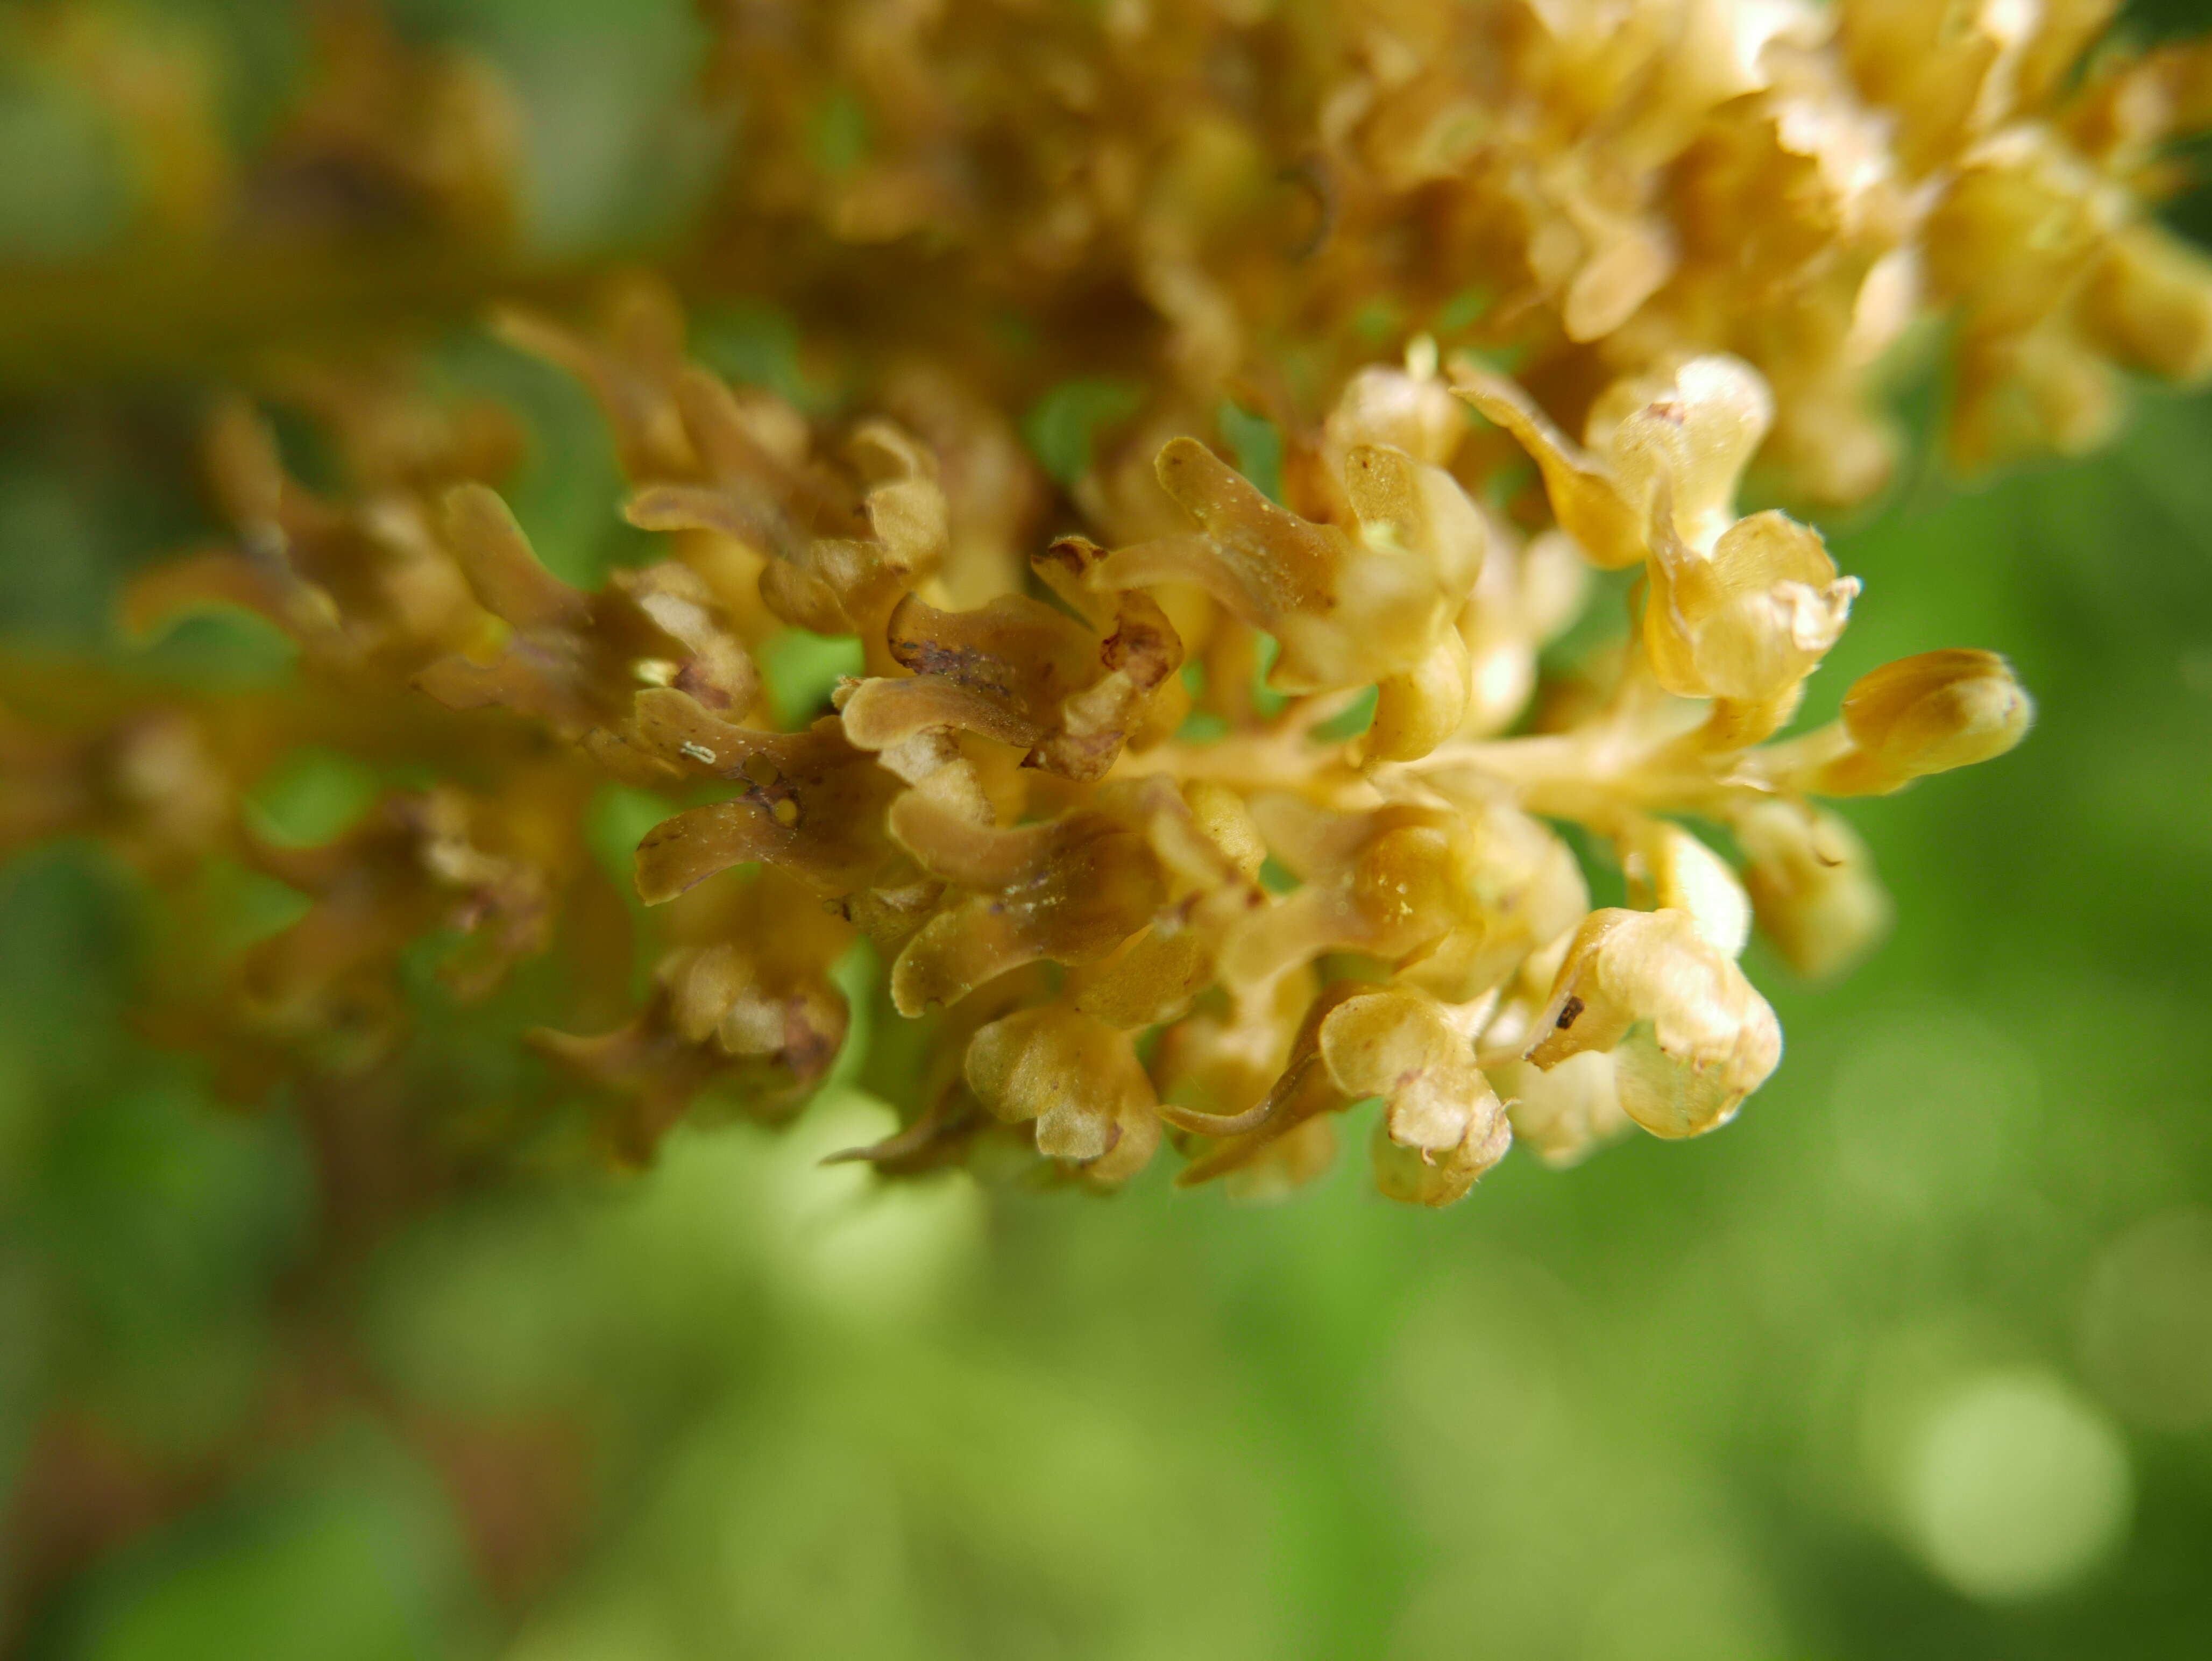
(1232, 402)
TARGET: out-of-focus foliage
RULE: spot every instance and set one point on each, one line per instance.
(1917, 1361)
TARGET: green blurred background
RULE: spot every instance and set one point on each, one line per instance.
(1915, 1359)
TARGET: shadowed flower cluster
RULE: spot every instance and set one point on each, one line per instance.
(1199, 773)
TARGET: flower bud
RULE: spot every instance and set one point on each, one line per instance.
(1689, 1035)
(1813, 885)
(1416, 710)
(2150, 303)
(1927, 714)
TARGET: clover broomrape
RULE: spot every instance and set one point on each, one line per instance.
(1180, 800)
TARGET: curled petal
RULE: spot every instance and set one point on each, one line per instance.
(716, 669)
(1094, 723)
(1690, 1037)
(1750, 620)
(1416, 710)
(1403, 1046)
(1413, 1176)
(502, 568)
(1381, 405)
(1077, 1078)
(1344, 614)
(1020, 672)
(1151, 980)
(1018, 652)
(1697, 436)
(811, 805)
(1069, 891)
(1585, 501)
(883, 712)
(1420, 508)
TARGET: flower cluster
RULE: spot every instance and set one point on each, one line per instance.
(1232, 796)
(1608, 188)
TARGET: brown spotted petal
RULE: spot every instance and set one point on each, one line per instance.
(1001, 670)
(577, 661)
(1018, 652)
(1067, 891)
(1689, 1035)
(884, 711)
(811, 804)
(1092, 726)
